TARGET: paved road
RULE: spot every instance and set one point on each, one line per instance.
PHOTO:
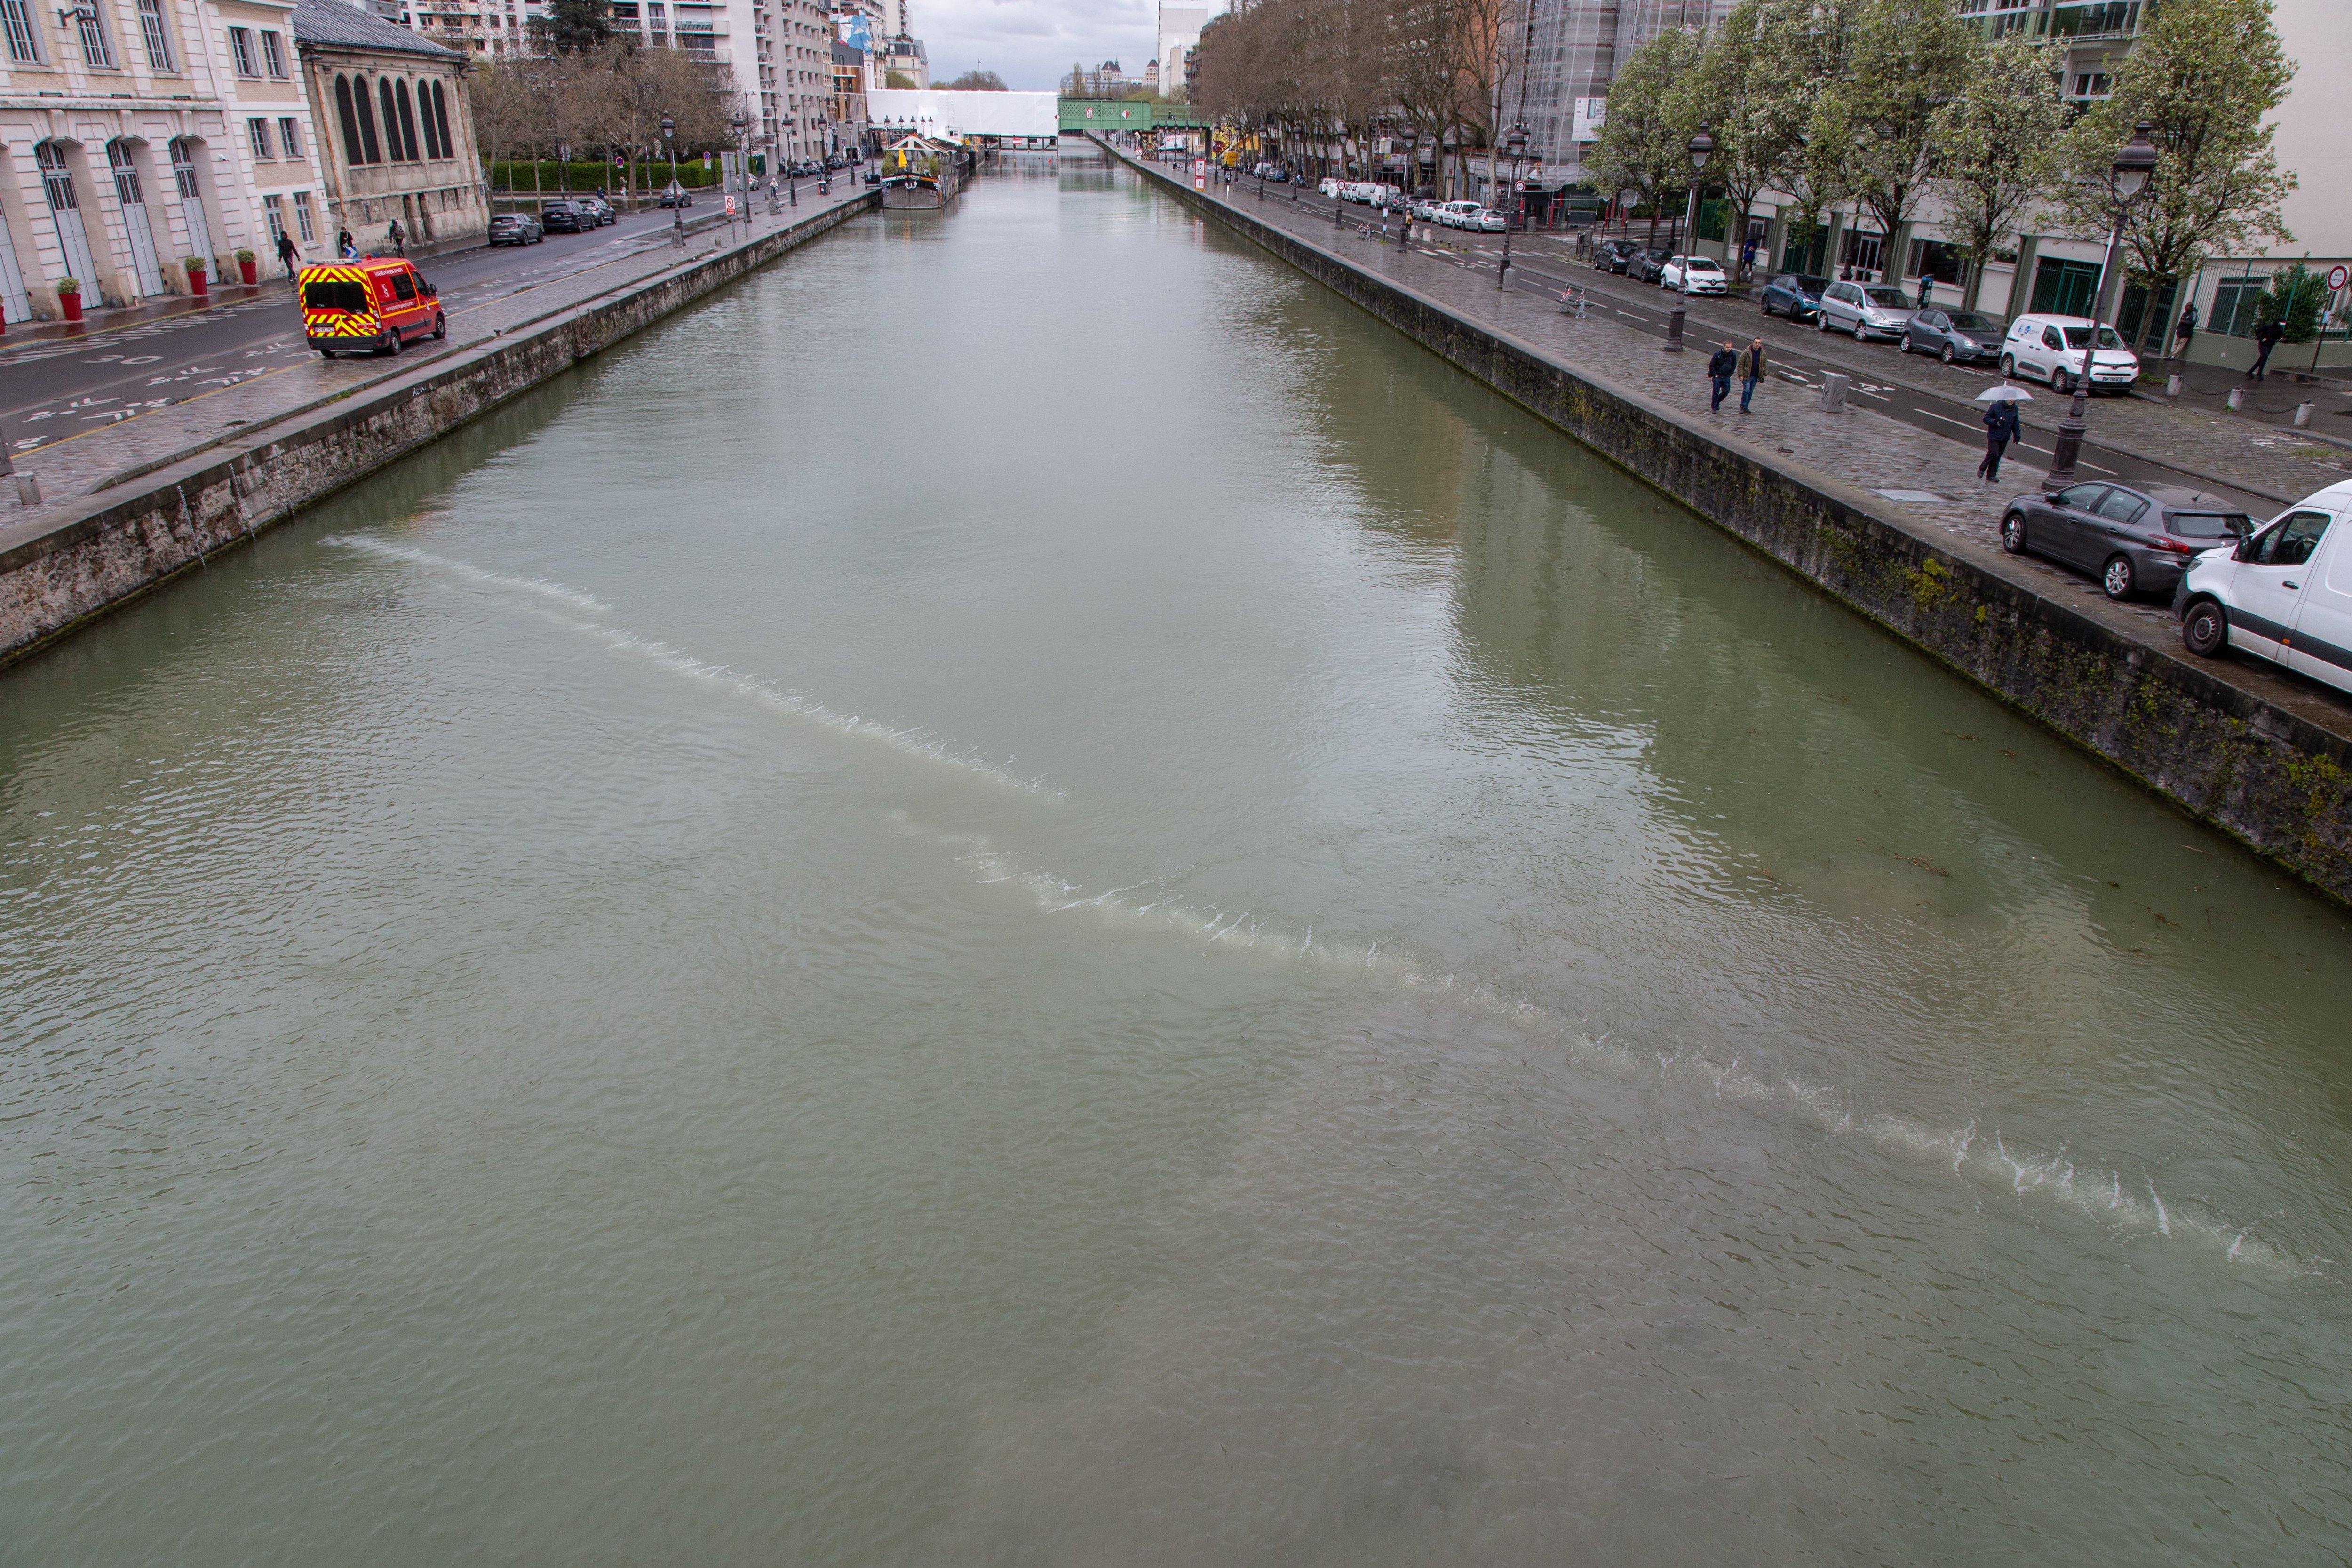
(1646, 309)
(52, 390)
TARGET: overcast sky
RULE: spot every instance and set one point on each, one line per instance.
(1033, 43)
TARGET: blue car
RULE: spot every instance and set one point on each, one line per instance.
(1795, 295)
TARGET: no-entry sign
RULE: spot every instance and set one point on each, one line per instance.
(2338, 276)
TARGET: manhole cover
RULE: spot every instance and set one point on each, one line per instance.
(1924, 498)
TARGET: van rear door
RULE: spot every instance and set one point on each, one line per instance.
(2322, 645)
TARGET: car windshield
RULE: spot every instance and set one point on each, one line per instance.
(2208, 524)
(1702, 264)
(1891, 298)
(1813, 285)
(1970, 322)
(2080, 337)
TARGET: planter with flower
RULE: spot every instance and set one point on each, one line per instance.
(194, 268)
(248, 266)
(70, 297)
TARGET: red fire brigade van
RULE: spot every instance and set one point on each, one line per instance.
(371, 307)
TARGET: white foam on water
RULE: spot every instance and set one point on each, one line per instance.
(910, 742)
(538, 587)
(2030, 1179)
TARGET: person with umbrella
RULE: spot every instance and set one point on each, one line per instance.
(2000, 423)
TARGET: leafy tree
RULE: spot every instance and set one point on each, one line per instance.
(2293, 300)
(2204, 75)
(1644, 145)
(572, 24)
(1908, 60)
(1753, 89)
(976, 80)
(1997, 147)
(898, 79)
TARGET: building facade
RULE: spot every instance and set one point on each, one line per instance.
(397, 140)
(137, 133)
(1179, 32)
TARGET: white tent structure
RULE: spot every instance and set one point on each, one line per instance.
(895, 111)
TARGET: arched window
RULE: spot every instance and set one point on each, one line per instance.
(424, 119)
(391, 118)
(364, 101)
(354, 151)
(441, 119)
(407, 121)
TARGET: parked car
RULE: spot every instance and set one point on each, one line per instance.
(516, 228)
(2054, 349)
(1866, 309)
(2284, 592)
(1612, 255)
(1704, 276)
(598, 208)
(1425, 210)
(566, 217)
(675, 197)
(1955, 337)
(835, 161)
(1328, 187)
(1453, 213)
(1649, 264)
(1796, 295)
(2137, 539)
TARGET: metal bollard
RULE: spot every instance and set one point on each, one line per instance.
(29, 491)
(2173, 388)
(2302, 415)
(1834, 387)
(2237, 398)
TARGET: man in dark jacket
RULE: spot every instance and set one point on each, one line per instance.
(2186, 332)
(1751, 371)
(2000, 429)
(1721, 368)
(287, 256)
(2268, 335)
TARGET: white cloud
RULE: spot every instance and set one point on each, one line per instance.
(1033, 43)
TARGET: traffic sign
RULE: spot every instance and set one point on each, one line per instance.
(2338, 276)
(730, 205)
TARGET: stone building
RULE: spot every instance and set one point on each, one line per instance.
(137, 133)
(396, 138)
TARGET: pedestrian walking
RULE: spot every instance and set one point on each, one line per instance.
(398, 241)
(1721, 366)
(2000, 428)
(2185, 332)
(287, 255)
(1752, 366)
(2268, 335)
(1926, 289)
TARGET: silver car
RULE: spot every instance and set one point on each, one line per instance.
(1866, 310)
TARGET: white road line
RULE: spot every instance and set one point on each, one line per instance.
(1947, 419)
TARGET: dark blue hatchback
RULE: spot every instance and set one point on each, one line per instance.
(1795, 295)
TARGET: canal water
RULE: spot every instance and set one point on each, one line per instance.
(1024, 894)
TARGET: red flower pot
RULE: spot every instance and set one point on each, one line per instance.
(251, 271)
(71, 305)
(199, 285)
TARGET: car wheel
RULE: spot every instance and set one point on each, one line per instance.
(2012, 534)
(440, 326)
(2116, 578)
(2206, 631)
(2008, 367)
(1767, 307)
(326, 353)
(392, 342)
(1822, 321)
(1906, 344)
(2060, 381)
(1946, 355)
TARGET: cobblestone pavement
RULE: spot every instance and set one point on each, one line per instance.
(1910, 473)
(270, 386)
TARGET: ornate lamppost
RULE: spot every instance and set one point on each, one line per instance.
(1702, 148)
(2135, 161)
(1517, 144)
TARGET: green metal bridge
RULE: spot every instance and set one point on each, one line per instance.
(1079, 115)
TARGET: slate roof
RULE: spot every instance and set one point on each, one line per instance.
(336, 24)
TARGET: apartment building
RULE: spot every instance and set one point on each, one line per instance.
(134, 133)
(399, 146)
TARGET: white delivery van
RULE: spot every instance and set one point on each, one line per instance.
(2284, 591)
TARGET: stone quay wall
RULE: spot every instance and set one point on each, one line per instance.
(2276, 780)
(81, 559)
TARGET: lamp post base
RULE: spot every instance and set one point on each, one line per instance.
(1674, 331)
(2070, 444)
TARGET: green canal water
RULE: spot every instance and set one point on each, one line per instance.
(1025, 895)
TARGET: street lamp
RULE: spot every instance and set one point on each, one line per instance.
(2135, 161)
(1702, 148)
(1516, 143)
(742, 190)
(669, 145)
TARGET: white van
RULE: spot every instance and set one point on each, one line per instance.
(2053, 349)
(2284, 591)
(1460, 215)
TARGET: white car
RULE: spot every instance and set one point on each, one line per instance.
(1694, 274)
(1425, 210)
(2284, 592)
(1329, 187)
(1489, 220)
(1460, 215)
(2054, 349)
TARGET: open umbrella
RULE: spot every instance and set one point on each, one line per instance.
(2004, 393)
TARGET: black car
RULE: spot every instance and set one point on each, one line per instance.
(598, 208)
(1612, 255)
(2137, 539)
(1796, 295)
(1648, 264)
(566, 217)
(1955, 337)
(516, 228)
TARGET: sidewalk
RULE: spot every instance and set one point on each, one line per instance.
(19, 335)
(86, 464)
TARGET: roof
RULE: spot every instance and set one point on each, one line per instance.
(334, 24)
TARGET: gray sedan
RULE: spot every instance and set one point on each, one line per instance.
(1955, 337)
(2137, 539)
(1866, 309)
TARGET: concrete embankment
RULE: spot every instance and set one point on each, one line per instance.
(2276, 775)
(76, 561)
